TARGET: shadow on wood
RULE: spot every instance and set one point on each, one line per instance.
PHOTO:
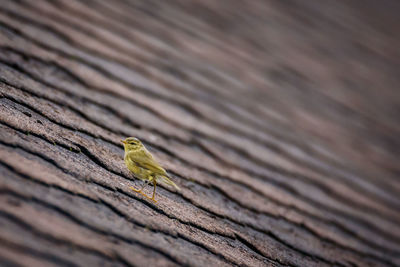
(279, 121)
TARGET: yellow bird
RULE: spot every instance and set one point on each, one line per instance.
(140, 161)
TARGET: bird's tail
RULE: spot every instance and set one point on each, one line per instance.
(166, 180)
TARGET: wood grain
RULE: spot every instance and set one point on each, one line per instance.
(279, 121)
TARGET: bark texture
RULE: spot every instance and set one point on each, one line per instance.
(279, 120)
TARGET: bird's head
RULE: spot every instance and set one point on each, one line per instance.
(131, 143)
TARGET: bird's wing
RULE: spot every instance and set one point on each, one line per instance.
(145, 160)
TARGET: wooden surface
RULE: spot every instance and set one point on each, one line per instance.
(279, 120)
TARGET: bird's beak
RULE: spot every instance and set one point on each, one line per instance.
(123, 141)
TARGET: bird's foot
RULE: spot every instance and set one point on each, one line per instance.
(143, 194)
(136, 190)
(151, 198)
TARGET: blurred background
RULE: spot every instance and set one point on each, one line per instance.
(280, 121)
(322, 73)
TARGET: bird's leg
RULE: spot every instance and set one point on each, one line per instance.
(154, 191)
(138, 190)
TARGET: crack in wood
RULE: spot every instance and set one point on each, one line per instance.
(309, 230)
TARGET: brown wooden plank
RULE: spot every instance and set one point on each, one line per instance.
(267, 115)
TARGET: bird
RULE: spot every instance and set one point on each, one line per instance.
(144, 167)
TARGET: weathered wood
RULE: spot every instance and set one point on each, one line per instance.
(279, 121)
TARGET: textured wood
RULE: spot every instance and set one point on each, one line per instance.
(278, 119)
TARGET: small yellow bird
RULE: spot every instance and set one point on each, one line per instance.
(140, 161)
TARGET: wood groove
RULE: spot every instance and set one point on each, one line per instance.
(274, 169)
(26, 225)
(369, 243)
(116, 211)
(102, 185)
(269, 146)
(138, 199)
(315, 183)
(67, 147)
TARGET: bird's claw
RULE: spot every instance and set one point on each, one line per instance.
(136, 190)
(143, 194)
(151, 198)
